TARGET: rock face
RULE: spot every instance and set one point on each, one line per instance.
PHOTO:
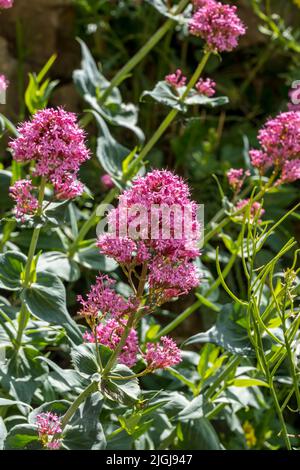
(30, 33)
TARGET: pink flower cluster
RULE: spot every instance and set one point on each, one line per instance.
(103, 300)
(57, 144)
(217, 24)
(236, 178)
(6, 4)
(206, 87)
(26, 203)
(256, 209)
(4, 83)
(107, 314)
(280, 147)
(109, 334)
(168, 256)
(176, 79)
(162, 355)
(49, 425)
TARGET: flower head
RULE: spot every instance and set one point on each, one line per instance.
(163, 354)
(159, 207)
(167, 277)
(218, 25)
(109, 334)
(54, 140)
(176, 79)
(6, 4)
(103, 300)
(49, 425)
(26, 203)
(280, 146)
(236, 178)
(206, 87)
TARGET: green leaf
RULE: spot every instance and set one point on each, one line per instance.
(60, 264)
(46, 300)
(198, 435)
(123, 391)
(194, 410)
(163, 93)
(7, 402)
(91, 84)
(84, 432)
(227, 334)
(84, 358)
(90, 258)
(110, 153)
(195, 98)
(6, 202)
(249, 382)
(11, 266)
(57, 406)
(20, 437)
(56, 212)
(163, 8)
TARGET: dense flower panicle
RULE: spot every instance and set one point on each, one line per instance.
(109, 334)
(176, 79)
(6, 4)
(48, 424)
(256, 209)
(4, 83)
(162, 355)
(218, 25)
(55, 141)
(280, 137)
(164, 200)
(178, 278)
(206, 87)
(123, 250)
(260, 160)
(26, 203)
(66, 187)
(103, 300)
(236, 178)
(290, 171)
(280, 146)
(107, 181)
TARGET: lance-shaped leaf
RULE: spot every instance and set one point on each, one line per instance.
(11, 267)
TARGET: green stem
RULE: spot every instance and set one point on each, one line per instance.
(91, 388)
(262, 360)
(113, 358)
(24, 315)
(172, 114)
(289, 350)
(138, 57)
